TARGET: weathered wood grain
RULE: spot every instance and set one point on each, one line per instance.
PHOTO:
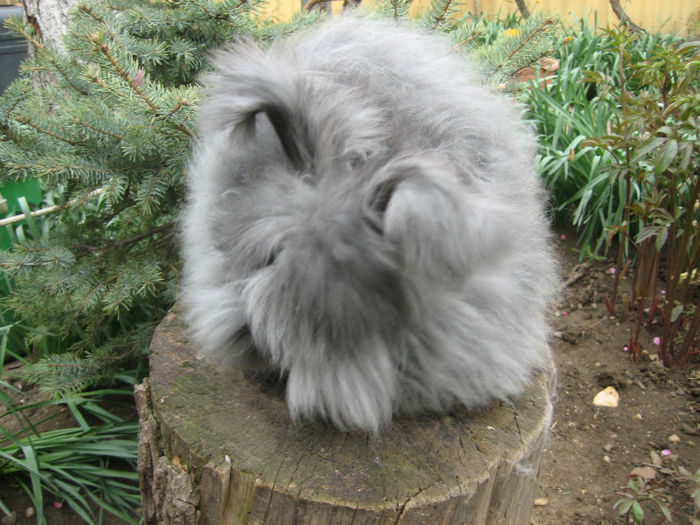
(219, 448)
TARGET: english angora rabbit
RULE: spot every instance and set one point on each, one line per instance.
(364, 220)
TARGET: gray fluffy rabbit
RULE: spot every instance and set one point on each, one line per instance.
(364, 220)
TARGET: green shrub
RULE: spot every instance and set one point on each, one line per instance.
(657, 152)
(568, 111)
(105, 127)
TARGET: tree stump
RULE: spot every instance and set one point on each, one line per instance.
(218, 448)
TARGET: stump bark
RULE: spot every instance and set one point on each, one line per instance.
(218, 448)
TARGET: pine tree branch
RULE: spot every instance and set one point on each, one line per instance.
(465, 41)
(205, 9)
(180, 105)
(56, 68)
(83, 8)
(68, 80)
(80, 306)
(104, 49)
(17, 101)
(27, 35)
(5, 129)
(60, 373)
(533, 61)
(221, 16)
(441, 16)
(136, 238)
(525, 42)
(95, 128)
(395, 8)
(97, 80)
(41, 168)
(29, 122)
(40, 47)
(396, 11)
(3, 126)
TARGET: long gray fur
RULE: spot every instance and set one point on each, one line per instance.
(363, 219)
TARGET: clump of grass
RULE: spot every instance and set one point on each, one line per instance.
(88, 466)
(566, 112)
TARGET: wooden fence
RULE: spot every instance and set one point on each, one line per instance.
(667, 16)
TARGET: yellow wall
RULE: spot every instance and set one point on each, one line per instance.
(678, 15)
(279, 10)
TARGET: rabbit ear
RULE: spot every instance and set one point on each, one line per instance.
(442, 227)
(249, 82)
(291, 137)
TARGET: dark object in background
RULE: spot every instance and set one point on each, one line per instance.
(13, 49)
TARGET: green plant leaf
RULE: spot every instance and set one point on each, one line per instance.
(664, 510)
(37, 492)
(624, 506)
(676, 312)
(637, 513)
(644, 148)
(666, 156)
(661, 236)
(4, 508)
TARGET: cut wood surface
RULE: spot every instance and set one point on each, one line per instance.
(217, 447)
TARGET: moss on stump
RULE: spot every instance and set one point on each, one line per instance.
(218, 448)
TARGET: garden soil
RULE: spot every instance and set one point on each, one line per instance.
(592, 451)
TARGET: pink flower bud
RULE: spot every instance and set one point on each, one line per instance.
(139, 77)
(666, 452)
(657, 340)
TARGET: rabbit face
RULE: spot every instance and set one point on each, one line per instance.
(343, 302)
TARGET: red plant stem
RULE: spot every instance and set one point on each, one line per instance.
(654, 276)
(628, 188)
(643, 288)
(639, 305)
(634, 321)
(685, 240)
(618, 271)
(654, 308)
(673, 270)
(623, 236)
(678, 261)
(690, 340)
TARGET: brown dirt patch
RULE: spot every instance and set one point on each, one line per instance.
(593, 450)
